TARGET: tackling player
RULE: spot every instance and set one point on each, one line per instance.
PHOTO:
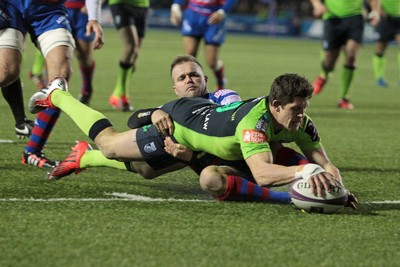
(238, 131)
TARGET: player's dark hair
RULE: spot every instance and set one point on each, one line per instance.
(183, 59)
(288, 86)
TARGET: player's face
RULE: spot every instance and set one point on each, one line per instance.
(189, 80)
(291, 115)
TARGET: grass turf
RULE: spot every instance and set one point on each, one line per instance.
(78, 222)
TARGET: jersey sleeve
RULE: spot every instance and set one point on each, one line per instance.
(308, 137)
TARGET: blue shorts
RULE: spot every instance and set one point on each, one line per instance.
(195, 25)
(78, 24)
(33, 16)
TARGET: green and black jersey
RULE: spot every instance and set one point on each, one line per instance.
(235, 131)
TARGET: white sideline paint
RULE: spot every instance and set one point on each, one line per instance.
(6, 141)
(131, 197)
(116, 197)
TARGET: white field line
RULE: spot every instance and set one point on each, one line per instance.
(115, 197)
(131, 197)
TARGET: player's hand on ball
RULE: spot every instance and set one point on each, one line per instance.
(319, 179)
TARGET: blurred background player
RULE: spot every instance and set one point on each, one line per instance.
(203, 19)
(78, 16)
(343, 29)
(49, 28)
(130, 19)
(388, 29)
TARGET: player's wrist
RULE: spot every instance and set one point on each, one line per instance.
(221, 12)
(308, 170)
(176, 9)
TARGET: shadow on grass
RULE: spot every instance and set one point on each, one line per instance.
(372, 209)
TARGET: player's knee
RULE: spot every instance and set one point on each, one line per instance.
(212, 181)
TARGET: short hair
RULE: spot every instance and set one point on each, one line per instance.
(183, 59)
(288, 86)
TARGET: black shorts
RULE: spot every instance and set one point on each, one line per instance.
(125, 15)
(388, 28)
(337, 31)
(151, 146)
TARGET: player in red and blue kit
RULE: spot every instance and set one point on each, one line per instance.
(78, 16)
(49, 28)
(203, 19)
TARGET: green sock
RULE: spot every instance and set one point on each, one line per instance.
(38, 64)
(379, 63)
(128, 80)
(94, 158)
(345, 81)
(123, 77)
(74, 109)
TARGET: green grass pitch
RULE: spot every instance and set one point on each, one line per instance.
(85, 220)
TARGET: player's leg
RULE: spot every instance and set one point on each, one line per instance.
(36, 73)
(14, 97)
(214, 37)
(327, 67)
(331, 46)
(84, 54)
(56, 46)
(223, 183)
(191, 45)
(379, 63)
(114, 145)
(81, 157)
(351, 50)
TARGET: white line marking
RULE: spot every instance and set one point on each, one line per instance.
(116, 197)
(5, 141)
(131, 197)
(384, 202)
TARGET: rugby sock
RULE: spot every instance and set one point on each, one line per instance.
(379, 63)
(219, 74)
(123, 75)
(239, 189)
(289, 157)
(87, 77)
(39, 64)
(13, 95)
(91, 124)
(94, 158)
(345, 81)
(44, 123)
(128, 80)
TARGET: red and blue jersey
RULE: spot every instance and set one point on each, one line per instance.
(206, 7)
(75, 4)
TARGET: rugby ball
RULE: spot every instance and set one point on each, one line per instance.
(303, 198)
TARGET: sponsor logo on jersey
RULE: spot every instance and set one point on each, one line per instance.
(150, 147)
(144, 114)
(254, 136)
(312, 131)
(262, 123)
(206, 120)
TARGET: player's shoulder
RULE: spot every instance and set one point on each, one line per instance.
(224, 96)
